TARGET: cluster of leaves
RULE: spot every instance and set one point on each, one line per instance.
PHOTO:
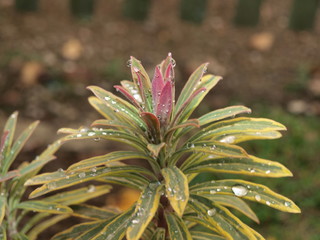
(41, 214)
(177, 148)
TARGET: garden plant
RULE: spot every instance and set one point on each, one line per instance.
(159, 130)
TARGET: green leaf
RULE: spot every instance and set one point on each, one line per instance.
(131, 180)
(210, 147)
(75, 231)
(112, 124)
(204, 86)
(114, 230)
(63, 180)
(43, 206)
(143, 83)
(17, 146)
(222, 113)
(246, 190)
(8, 133)
(191, 85)
(91, 212)
(102, 108)
(107, 158)
(3, 202)
(159, 234)
(9, 175)
(79, 195)
(176, 227)
(197, 235)
(251, 165)
(36, 164)
(177, 188)
(222, 219)
(146, 207)
(237, 126)
(234, 202)
(124, 110)
(3, 233)
(108, 134)
(39, 228)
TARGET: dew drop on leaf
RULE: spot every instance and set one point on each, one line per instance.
(79, 135)
(129, 63)
(287, 204)
(135, 221)
(213, 191)
(257, 197)
(239, 190)
(52, 185)
(268, 203)
(268, 171)
(91, 189)
(82, 175)
(211, 212)
(228, 139)
(96, 139)
(90, 134)
(107, 98)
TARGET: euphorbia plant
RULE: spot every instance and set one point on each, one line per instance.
(177, 148)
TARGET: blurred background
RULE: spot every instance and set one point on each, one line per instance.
(267, 51)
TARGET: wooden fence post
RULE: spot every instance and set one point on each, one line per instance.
(136, 9)
(26, 5)
(247, 13)
(193, 10)
(82, 8)
(303, 14)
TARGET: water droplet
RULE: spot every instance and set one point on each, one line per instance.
(94, 169)
(211, 212)
(129, 63)
(205, 69)
(79, 135)
(136, 69)
(90, 134)
(107, 98)
(135, 221)
(60, 170)
(268, 203)
(239, 190)
(82, 175)
(97, 139)
(287, 204)
(228, 139)
(113, 102)
(84, 129)
(173, 62)
(213, 191)
(257, 197)
(91, 188)
(268, 171)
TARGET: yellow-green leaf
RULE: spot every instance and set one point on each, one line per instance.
(177, 188)
(176, 227)
(159, 234)
(3, 232)
(155, 148)
(17, 146)
(102, 108)
(115, 229)
(246, 190)
(199, 235)
(2, 207)
(75, 231)
(91, 212)
(79, 195)
(237, 126)
(107, 158)
(234, 202)
(222, 219)
(64, 180)
(250, 165)
(44, 226)
(43, 206)
(222, 113)
(146, 207)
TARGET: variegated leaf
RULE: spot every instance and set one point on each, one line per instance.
(222, 219)
(79, 195)
(44, 206)
(250, 165)
(177, 188)
(176, 227)
(246, 190)
(198, 235)
(3, 202)
(146, 207)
